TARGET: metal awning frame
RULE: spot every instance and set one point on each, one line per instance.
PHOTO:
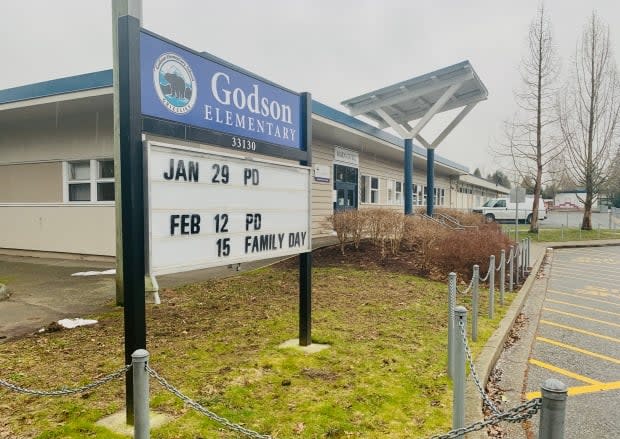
(379, 104)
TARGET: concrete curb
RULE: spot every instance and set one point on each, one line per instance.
(4, 292)
(493, 348)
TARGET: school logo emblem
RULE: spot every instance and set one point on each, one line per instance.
(175, 83)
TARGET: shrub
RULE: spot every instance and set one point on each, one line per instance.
(436, 249)
(459, 250)
(341, 223)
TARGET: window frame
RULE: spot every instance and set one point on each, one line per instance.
(367, 191)
(93, 180)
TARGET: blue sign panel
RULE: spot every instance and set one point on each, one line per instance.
(181, 86)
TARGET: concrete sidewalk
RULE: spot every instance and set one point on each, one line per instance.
(42, 290)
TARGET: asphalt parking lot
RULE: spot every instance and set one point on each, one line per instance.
(578, 339)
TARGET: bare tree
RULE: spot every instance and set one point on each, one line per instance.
(531, 146)
(588, 112)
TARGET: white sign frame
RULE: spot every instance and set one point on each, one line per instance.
(302, 175)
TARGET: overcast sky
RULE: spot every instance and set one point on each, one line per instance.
(336, 49)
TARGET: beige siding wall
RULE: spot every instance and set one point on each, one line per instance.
(31, 183)
(59, 228)
(77, 136)
(322, 193)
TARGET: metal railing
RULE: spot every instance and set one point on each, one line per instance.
(552, 404)
(554, 393)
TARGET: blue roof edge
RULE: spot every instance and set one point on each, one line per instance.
(70, 84)
(103, 79)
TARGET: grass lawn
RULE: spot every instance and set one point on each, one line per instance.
(561, 234)
(383, 377)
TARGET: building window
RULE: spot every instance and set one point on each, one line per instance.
(90, 180)
(439, 196)
(424, 196)
(399, 192)
(370, 189)
(414, 189)
(395, 192)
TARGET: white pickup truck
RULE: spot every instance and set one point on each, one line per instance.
(501, 209)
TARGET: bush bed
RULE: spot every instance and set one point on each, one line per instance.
(432, 249)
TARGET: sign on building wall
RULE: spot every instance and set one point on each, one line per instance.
(346, 157)
(243, 111)
(322, 173)
(208, 209)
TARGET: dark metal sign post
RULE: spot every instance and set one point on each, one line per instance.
(132, 195)
(305, 259)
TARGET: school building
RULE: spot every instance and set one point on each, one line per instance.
(57, 168)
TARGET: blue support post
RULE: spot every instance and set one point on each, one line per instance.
(408, 176)
(430, 181)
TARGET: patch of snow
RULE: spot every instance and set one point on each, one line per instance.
(74, 323)
(95, 273)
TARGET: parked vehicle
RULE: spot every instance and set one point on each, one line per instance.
(501, 209)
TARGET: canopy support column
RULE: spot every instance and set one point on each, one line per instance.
(408, 176)
(430, 181)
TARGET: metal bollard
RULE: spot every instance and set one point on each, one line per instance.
(451, 305)
(512, 263)
(502, 276)
(141, 427)
(458, 382)
(517, 268)
(492, 286)
(474, 304)
(553, 411)
(529, 248)
(523, 258)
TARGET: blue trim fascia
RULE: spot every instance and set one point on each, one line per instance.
(352, 122)
(71, 84)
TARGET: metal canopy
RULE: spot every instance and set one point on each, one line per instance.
(420, 98)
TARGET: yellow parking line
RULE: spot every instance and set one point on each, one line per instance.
(589, 308)
(581, 331)
(590, 269)
(564, 372)
(588, 276)
(576, 349)
(580, 390)
(570, 314)
(580, 296)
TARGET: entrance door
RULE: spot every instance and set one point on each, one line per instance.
(345, 187)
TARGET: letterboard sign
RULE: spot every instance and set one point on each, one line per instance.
(199, 90)
(208, 210)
